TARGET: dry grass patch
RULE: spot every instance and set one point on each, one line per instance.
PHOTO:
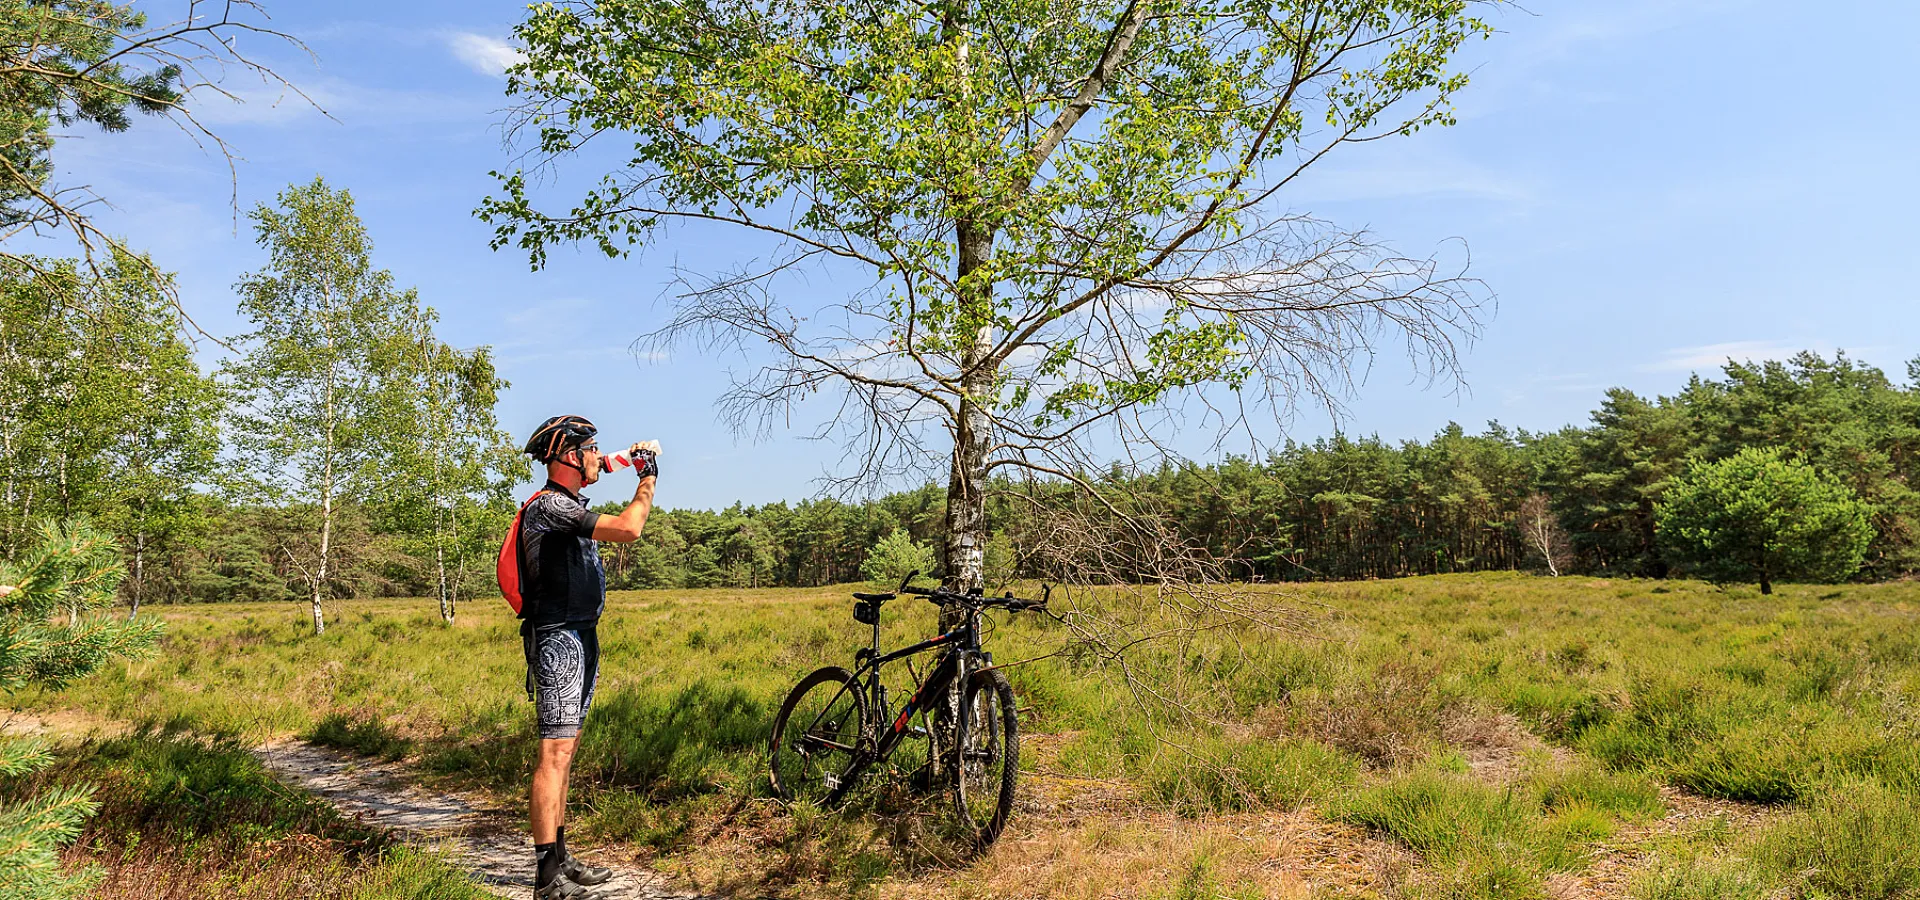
(1148, 857)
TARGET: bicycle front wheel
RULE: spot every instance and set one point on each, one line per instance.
(986, 757)
(816, 737)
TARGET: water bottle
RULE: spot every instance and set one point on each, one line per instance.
(628, 458)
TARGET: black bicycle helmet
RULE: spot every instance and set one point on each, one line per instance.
(558, 435)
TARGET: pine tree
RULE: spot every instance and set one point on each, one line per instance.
(895, 557)
(47, 639)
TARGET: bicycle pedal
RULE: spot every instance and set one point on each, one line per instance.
(916, 731)
(831, 781)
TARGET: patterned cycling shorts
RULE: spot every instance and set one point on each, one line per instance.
(563, 665)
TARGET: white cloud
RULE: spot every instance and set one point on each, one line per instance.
(335, 101)
(1713, 356)
(483, 54)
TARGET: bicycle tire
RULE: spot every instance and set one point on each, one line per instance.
(986, 758)
(823, 778)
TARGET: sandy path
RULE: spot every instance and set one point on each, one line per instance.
(484, 840)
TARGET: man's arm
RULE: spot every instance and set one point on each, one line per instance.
(625, 527)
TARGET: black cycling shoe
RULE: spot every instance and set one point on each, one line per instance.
(564, 888)
(582, 874)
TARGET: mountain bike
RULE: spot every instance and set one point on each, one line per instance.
(836, 724)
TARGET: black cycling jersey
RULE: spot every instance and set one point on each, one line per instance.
(561, 579)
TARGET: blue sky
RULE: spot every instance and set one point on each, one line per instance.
(1648, 187)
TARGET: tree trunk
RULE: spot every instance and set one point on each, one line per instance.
(966, 502)
(440, 560)
(326, 514)
(459, 563)
(6, 497)
(972, 439)
(139, 571)
(1766, 584)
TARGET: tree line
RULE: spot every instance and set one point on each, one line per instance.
(222, 487)
(1580, 499)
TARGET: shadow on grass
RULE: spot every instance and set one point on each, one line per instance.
(699, 739)
(365, 735)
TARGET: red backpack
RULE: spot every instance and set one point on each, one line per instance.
(508, 568)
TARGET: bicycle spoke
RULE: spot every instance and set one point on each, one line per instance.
(986, 759)
(816, 739)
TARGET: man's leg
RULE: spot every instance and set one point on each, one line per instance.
(550, 788)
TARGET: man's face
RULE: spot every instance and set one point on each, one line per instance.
(590, 461)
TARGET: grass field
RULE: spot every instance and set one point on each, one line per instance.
(1460, 736)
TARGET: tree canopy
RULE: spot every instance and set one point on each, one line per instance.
(1055, 214)
(1759, 515)
(98, 62)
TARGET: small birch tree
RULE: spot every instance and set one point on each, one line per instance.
(310, 421)
(451, 467)
(1541, 531)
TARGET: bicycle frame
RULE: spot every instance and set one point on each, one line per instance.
(866, 676)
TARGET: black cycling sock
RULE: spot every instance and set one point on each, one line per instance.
(560, 842)
(546, 863)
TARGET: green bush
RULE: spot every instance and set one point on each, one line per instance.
(365, 735)
(1484, 840)
(1746, 766)
(1619, 793)
(1437, 814)
(674, 744)
(1700, 879)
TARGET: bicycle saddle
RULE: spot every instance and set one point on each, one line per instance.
(874, 598)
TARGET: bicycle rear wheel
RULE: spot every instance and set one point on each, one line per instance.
(815, 744)
(986, 757)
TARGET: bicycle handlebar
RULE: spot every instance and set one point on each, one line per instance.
(942, 596)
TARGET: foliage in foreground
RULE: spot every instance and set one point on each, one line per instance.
(186, 817)
(48, 638)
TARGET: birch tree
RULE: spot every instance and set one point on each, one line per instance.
(1541, 531)
(1065, 227)
(452, 467)
(103, 412)
(309, 420)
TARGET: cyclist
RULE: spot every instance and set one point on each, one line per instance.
(564, 591)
